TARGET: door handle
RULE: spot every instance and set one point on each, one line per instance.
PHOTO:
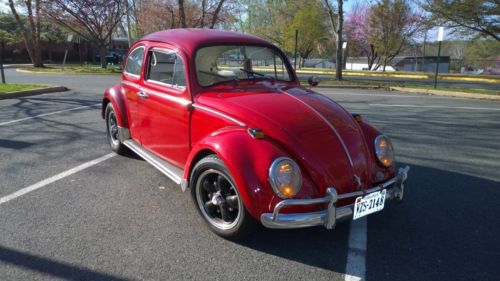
(142, 95)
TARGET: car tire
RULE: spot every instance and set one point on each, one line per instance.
(112, 130)
(218, 200)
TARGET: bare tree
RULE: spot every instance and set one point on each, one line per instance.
(182, 14)
(337, 22)
(94, 20)
(216, 13)
(31, 35)
(481, 16)
(389, 35)
(154, 15)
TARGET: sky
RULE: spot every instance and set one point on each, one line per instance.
(348, 6)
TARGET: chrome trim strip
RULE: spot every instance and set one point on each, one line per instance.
(176, 87)
(167, 96)
(162, 165)
(329, 125)
(220, 114)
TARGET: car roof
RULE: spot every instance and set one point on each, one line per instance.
(189, 39)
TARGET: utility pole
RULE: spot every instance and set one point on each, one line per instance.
(2, 45)
(440, 39)
(295, 53)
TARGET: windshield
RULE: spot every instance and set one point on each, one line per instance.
(222, 63)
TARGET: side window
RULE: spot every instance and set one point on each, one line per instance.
(134, 61)
(166, 68)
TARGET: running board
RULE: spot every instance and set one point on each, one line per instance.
(168, 169)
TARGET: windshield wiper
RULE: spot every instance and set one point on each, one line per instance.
(257, 73)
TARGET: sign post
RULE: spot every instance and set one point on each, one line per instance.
(295, 54)
(344, 47)
(1, 61)
(68, 40)
(440, 39)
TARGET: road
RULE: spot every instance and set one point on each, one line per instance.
(117, 218)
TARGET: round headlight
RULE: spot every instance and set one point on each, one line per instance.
(285, 177)
(384, 150)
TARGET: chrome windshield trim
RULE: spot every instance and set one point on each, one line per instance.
(219, 114)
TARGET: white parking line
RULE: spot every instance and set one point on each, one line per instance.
(433, 106)
(55, 178)
(355, 268)
(46, 114)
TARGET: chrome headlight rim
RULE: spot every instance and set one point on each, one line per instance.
(272, 179)
(389, 152)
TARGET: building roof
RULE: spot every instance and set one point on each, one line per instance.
(190, 39)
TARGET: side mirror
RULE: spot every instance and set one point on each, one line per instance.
(313, 81)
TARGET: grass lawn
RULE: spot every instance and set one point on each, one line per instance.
(77, 69)
(9, 88)
(400, 84)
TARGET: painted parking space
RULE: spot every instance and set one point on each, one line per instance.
(121, 219)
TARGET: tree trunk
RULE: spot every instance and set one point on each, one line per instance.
(30, 43)
(103, 50)
(340, 23)
(182, 14)
(215, 17)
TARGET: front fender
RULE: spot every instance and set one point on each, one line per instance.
(116, 96)
(247, 159)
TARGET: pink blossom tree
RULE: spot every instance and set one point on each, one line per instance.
(357, 30)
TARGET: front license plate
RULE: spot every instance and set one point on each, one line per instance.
(369, 204)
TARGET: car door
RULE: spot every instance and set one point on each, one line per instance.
(164, 115)
(131, 86)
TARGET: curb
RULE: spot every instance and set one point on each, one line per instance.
(33, 92)
(449, 77)
(365, 87)
(66, 73)
(446, 93)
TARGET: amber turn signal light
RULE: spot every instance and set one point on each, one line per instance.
(256, 133)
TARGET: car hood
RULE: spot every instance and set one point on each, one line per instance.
(318, 133)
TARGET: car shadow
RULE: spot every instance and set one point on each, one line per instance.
(52, 267)
(446, 229)
(316, 246)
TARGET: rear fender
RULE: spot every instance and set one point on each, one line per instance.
(116, 96)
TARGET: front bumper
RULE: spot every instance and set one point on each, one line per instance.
(330, 216)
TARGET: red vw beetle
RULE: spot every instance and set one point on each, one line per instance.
(223, 115)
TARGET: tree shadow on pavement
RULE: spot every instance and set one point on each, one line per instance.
(51, 267)
(13, 144)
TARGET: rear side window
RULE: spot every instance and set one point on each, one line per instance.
(134, 61)
(167, 68)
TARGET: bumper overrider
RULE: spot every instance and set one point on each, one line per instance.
(330, 216)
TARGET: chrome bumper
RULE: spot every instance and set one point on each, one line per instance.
(329, 217)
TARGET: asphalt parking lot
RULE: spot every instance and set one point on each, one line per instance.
(117, 218)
